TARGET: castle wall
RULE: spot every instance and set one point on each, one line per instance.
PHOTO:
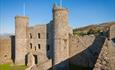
(37, 37)
(112, 31)
(5, 50)
(112, 34)
(79, 43)
(112, 47)
(85, 50)
(50, 40)
(103, 60)
(44, 66)
(111, 54)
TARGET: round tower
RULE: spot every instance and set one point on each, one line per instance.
(60, 38)
(21, 26)
(60, 19)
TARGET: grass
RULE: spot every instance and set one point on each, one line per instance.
(12, 67)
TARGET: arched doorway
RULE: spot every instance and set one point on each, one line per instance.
(26, 59)
(31, 59)
(35, 59)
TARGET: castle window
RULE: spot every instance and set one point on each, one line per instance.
(36, 59)
(30, 45)
(35, 48)
(39, 46)
(5, 55)
(48, 47)
(38, 35)
(30, 35)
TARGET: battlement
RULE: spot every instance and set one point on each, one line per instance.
(59, 8)
(22, 17)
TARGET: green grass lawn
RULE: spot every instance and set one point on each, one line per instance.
(12, 67)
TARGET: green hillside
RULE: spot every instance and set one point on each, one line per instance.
(93, 29)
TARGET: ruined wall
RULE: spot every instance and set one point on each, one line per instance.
(112, 32)
(103, 60)
(111, 45)
(85, 50)
(111, 55)
(5, 50)
(106, 59)
(37, 42)
(79, 43)
(50, 40)
(43, 66)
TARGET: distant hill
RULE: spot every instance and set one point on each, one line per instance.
(93, 29)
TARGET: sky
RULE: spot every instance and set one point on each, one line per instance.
(81, 12)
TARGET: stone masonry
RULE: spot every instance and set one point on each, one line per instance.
(53, 46)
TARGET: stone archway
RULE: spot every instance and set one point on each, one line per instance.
(35, 59)
(30, 59)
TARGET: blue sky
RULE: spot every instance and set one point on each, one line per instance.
(81, 12)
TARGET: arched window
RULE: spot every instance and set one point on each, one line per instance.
(35, 48)
(39, 46)
(30, 35)
(36, 59)
(30, 45)
(38, 35)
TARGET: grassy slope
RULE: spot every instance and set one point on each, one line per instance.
(94, 26)
(12, 67)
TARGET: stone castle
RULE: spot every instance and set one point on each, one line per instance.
(53, 45)
(38, 43)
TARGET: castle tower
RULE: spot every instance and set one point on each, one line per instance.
(60, 36)
(21, 25)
